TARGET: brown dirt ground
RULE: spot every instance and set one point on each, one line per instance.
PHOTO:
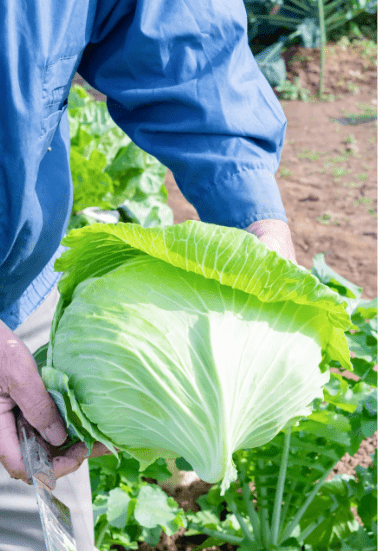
(327, 179)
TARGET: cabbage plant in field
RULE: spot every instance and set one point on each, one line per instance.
(191, 341)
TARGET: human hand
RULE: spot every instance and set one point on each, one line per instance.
(69, 460)
(276, 236)
(21, 385)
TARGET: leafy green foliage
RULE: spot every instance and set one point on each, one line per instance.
(128, 510)
(109, 171)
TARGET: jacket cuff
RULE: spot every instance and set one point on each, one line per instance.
(238, 201)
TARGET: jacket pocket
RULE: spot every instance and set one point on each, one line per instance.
(56, 87)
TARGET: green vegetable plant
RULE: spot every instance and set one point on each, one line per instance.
(113, 179)
(171, 342)
(273, 491)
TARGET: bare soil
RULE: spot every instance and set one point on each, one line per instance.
(328, 180)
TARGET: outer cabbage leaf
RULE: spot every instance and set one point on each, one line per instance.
(193, 340)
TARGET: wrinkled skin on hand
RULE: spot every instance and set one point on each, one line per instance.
(276, 236)
(21, 385)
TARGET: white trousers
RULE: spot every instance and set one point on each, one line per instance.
(20, 525)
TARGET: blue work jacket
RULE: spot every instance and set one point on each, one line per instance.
(180, 80)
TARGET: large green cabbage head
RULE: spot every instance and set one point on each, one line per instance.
(191, 341)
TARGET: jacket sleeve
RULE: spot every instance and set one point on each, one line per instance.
(40, 51)
(181, 81)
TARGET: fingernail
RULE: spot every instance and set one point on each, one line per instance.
(55, 434)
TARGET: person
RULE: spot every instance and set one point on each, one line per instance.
(181, 81)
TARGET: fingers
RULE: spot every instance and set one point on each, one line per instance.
(26, 388)
(10, 452)
(74, 456)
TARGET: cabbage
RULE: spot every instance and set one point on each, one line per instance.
(192, 341)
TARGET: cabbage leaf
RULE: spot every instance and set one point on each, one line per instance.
(193, 341)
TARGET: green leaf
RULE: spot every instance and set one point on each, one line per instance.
(335, 433)
(367, 508)
(128, 537)
(100, 507)
(91, 115)
(158, 471)
(152, 509)
(370, 405)
(331, 419)
(358, 343)
(110, 142)
(79, 221)
(367, 309)
(149, 212)
(271, 64)
(363, 420)
(107, 463)
(338, 393)
(359, 540)
(183, 465)
(329, 277)
(77, 423)
(151, 535)
(143, 172)
(365, 371)
(291, 544)
(338, 524)
(118, 504)
(83, 143)
(90, 183)
(206, 519)
(40, 356)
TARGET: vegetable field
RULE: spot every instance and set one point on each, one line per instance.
(313, 486)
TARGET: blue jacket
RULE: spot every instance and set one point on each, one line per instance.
(180, 80)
